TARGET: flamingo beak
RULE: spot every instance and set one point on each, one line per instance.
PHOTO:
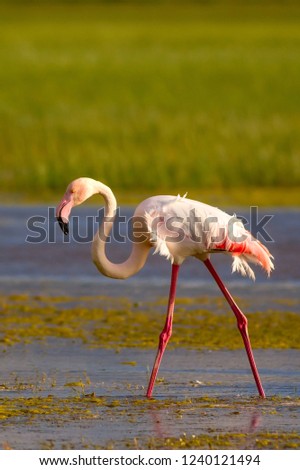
(62, 215)
(63, 225)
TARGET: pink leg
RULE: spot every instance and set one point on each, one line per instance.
(242, 323)
(167, 330)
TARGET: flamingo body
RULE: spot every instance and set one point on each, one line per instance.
(176, 227)
(200, 229)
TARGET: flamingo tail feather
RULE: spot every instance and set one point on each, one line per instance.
(252, 252)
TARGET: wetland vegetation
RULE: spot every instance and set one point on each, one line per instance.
(40, 400)
(120, 323)
(193, 96)
(91, 408)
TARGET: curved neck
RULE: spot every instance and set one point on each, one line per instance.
(139, 251)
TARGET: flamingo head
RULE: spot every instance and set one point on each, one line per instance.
(77, 192)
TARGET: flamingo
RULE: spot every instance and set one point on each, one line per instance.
(177, 227)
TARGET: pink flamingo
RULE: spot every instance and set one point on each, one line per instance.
(176, 227)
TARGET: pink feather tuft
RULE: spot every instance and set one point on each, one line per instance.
(249, 250)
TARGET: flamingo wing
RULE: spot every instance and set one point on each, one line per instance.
(180, 227)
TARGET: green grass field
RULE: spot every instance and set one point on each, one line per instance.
(203, 97)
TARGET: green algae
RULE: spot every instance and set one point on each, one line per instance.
(118, 323)
(212, 441)
(84, 408)
(114, 324)
(71, 407)
(216, 440)
(83, 404)
(75, 384)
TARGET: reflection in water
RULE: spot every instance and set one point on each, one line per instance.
(167, 421)
(189, 420)
(255, 421)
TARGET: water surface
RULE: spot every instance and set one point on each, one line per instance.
(55, 266)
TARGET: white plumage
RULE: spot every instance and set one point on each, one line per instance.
(180, 227)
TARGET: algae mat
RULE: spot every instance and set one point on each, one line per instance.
(70, 380)
(100, 321)
(64, 396)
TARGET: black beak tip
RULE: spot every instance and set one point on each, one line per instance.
(63, 225)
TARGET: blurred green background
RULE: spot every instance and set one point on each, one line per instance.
(151, 97)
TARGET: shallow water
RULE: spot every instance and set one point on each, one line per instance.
(54, 267)
(40, 370)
